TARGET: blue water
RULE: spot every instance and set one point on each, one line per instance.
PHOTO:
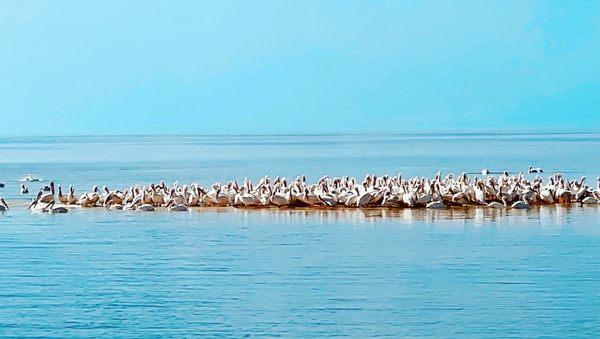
(296, 273)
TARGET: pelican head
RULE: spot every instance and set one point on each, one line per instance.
(35, 200)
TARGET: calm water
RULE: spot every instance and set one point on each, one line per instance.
(461, 272)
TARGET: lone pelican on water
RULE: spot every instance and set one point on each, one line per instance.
(535, 170)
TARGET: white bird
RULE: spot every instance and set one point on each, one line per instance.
(30, 178)
(35, 201)
(495, 204)
(436, 205)
(535, 170)
(521, 204)
(589, 201)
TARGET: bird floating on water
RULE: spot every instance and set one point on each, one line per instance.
(535, 170)
(30, 178)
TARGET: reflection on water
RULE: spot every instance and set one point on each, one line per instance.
(547, 215)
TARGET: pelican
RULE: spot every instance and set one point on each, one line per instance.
(36, 203)
(436, 205)
(246, 198)
(89, 199)
(281, 199)
(391, 200)
(49, 208)
(146, 208)
(156, 197)
(590, 201)
(521, 204)
(485, 171)
(24, 189)
(3, 205)
(85, 200)
(71, 196)
(113, 205)
(63, 199)
(30, 178)
(365, 199)
(495, 204)
(535, 169)
(48, 197)
(178, 208)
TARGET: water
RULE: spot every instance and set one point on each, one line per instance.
(460, 272)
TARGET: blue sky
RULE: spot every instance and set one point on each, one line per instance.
(128, 67)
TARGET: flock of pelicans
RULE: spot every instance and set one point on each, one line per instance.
(502, 191)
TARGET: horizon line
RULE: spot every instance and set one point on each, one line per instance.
(541, 131)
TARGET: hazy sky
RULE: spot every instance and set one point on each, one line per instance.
(98, 67)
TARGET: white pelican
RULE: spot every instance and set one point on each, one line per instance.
(37, 205)
(30, 178)
(485, 171)
(535, 170)
(590, 200)
(521, 204)
(495, 204)
(281, 199)
(436, 205)
(35, 201)
(546, 195)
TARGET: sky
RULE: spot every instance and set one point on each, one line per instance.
(278, 67)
